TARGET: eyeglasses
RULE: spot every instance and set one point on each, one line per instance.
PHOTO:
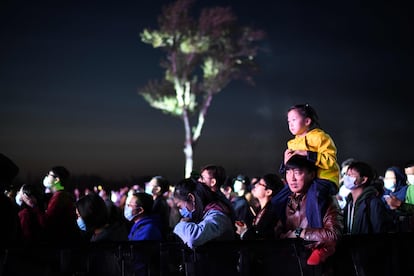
(258, 183)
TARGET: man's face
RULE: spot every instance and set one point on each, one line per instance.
(207, 180)
(298, 179)
(150, 187)
(409, 171)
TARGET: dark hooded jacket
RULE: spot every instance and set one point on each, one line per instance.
(367, 215)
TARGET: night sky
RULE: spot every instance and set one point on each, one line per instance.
(70, 72)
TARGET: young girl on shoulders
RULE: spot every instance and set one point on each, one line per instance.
(318, 146)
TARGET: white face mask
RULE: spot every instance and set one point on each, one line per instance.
(19, 198)
(344, 191)
(81, 224)
(48, 181)
(237, 186)
(349, 182)
(148, 189)
(389, 184)
(114, 196)
(128, 213)
(410, 179)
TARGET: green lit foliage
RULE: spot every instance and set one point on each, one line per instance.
(202, 56)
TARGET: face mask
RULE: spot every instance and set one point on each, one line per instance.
(344, 191)
(389, 184)
(349, 182)
(237, 186)
(185, 213)
(410, 179)
(114, 196)
(81, 224)
(128, 213)
(148, 189)
(48, 181)
(19, 198)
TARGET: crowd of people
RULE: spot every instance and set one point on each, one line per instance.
(310, 198)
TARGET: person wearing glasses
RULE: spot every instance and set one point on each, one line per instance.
(263, 223)
(60, 215)
(259, 261)
(213, 176)
(139, 210)
(147, 227)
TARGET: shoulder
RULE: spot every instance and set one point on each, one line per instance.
(373, 201)
(318, 133)
(148, 220)
(215, 215)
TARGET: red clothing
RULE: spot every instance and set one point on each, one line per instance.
(60, 218)
(32, 221)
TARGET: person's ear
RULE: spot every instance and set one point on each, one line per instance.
(364, 180)
(268, 192)
(191, 197)
(308, 121)
(213, 182)
(140, 210)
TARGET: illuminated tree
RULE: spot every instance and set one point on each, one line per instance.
(202, 57)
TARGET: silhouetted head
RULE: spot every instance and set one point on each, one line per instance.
(8, 171)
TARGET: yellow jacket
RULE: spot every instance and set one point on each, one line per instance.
(321, 144)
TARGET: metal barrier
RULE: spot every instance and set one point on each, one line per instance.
(385, 254)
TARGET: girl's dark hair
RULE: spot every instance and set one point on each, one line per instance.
(35, 191)
(307, 111)
(93, 210)
(163, 183)
(203, 196)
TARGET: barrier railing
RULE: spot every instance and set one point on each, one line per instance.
(385, 254)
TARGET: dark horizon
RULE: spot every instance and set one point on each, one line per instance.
(70, 75)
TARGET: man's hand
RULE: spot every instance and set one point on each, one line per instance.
(393, 202)
(29, 200)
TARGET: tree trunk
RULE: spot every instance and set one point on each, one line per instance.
(188, 145)
(188, 152)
